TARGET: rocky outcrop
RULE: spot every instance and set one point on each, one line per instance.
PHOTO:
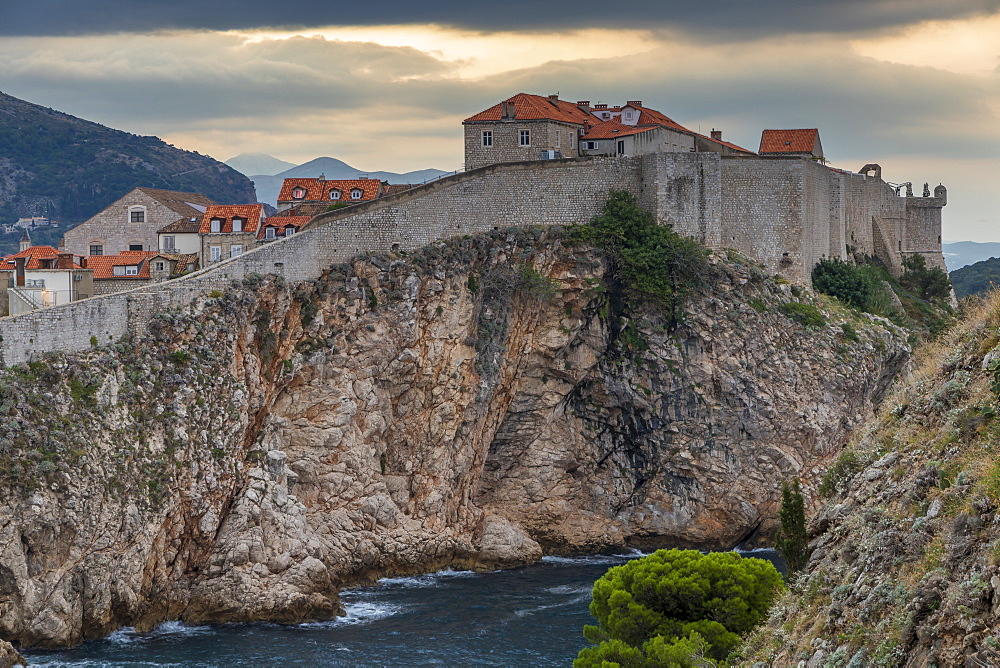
(905, 568)
(468, 405)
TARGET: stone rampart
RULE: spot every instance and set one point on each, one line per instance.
(555, 192)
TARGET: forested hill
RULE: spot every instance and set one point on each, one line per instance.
(58, 165)
(976, 278)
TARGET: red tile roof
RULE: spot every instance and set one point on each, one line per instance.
(729, 145)
(529, 107)
(282, 222)
(250, 213)
(104, 265)
(319, 191)
(649, 116)
(34, 255)
(614, 128)
(788, 141)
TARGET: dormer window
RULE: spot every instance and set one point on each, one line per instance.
(289, 230)
(216, 225)
(334, 194)
(356, 193)
(298, 193)
(269, 233)
(237, 224)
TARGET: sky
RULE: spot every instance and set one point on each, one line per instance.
(913, 85)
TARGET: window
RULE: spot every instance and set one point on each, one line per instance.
(132, 270)
(137, 247)
(159, 266)
(169, 243)
(525, 137)
(34, 283)
(298, 193)
(216, 225)
(237, 224)
(235, 250)
(289, 230)
(356, 193)
(487, 138)
(96, 249)
(590, 145)
(334, 194)
(558, 139)
(621, 148)
(628, 115)
(215, 253)
(269, 233)
(137, 215)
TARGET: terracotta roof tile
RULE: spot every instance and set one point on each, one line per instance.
(250, 213)
(188, 225)
(529, 107)
(104, 265)
(649, 116)
(34, 255)
(184, 204)
(319, 191)
(282, 222)
(788, 141)
(615, 128)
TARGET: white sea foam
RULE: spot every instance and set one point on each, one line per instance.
(428, 580)
(570, 589)
(359, 612)
(593, 559)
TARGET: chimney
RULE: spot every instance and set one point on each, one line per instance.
(600, 106)
(25, 241)
(584, 105)
(322, 177)
(716, 134)
(634, 103)
(554, 98)
(19, 271)
(507, 111)
(64, 261)
(83, 263)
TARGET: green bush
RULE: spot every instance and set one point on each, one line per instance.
(806, 315)
(843, 469)
(929, 283)
(651, 261)
(848, 283)
(678, 603)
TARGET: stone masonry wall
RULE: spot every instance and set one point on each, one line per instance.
(111, 228)
(556, 192)
(506, 141)
(683, 189)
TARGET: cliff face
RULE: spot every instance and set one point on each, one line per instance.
(467, 405)
(905, 564)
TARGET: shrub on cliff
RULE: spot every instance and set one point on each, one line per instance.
(676, 607)
(791, 540)
(853, 285)
(651, 261)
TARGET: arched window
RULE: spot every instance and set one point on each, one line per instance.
(357, 193)
(334, 194)
(298, 193)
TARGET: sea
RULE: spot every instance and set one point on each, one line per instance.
(531, 616)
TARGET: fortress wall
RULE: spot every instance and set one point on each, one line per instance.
(684, 190)
(838, 217)
(817, 223)
(762, 212)
(922, 228)
(535, 193)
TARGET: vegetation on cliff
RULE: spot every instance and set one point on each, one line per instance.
(917, 300)
(677, 607)
(905, 564)
(67, 168)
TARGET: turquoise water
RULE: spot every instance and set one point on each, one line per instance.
(530, 616)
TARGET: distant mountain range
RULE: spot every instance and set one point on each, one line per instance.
(959, 254)
(66, 168)
(258, 163)
(268, 185)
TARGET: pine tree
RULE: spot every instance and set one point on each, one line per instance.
(791, 541)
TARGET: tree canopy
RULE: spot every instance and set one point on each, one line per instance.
(675, 607)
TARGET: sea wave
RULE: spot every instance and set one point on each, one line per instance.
(359, 612)
(427, 580)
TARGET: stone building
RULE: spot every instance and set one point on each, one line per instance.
(531, 127)
(41, 276)
(229, 230)
(133, 222)
(181, 236)
(131, 269)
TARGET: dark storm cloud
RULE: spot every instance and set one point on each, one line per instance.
(722, 17)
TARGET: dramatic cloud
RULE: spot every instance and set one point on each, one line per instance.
(393, 97)
(764, 17)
